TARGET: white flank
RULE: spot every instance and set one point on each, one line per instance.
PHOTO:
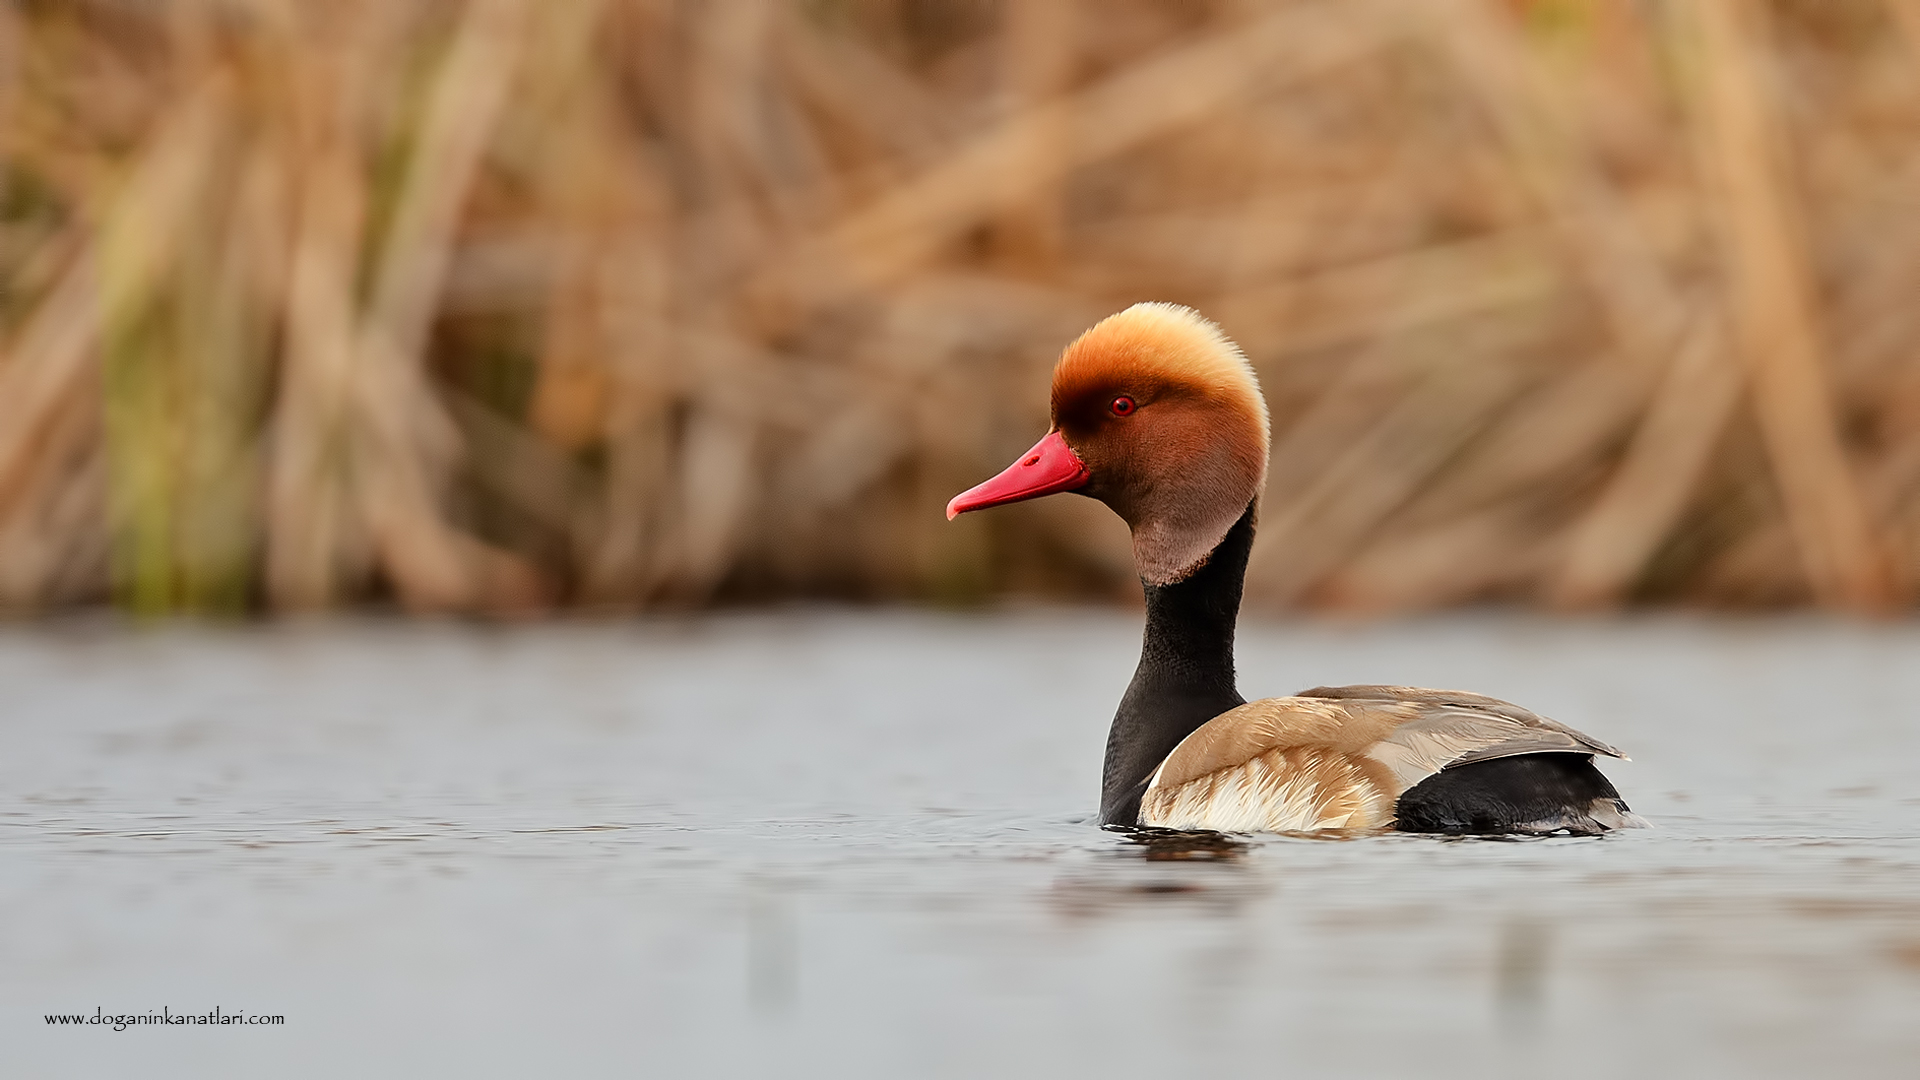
(1268, 793)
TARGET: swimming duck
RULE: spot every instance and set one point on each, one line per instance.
(1157, 414)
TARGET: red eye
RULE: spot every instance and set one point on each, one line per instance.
(1122, 405)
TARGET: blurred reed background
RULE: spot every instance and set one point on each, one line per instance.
(499, 305)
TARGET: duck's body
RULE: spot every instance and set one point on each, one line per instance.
(1158, 415)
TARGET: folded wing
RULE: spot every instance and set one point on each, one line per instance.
(1337, 757)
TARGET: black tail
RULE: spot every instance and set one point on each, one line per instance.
(1532, 793)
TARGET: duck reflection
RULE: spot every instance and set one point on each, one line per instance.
(1179, 845)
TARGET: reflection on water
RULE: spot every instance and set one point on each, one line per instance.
(1520, 971)
(1173, 845)
(858, 844)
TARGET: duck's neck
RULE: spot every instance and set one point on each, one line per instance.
(1185, 677)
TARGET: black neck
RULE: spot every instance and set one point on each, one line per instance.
(1185, 677)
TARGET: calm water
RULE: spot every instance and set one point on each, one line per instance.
(855, 844)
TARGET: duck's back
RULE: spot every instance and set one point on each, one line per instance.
(1371, 757)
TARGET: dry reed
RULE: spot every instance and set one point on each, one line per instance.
(491, 305)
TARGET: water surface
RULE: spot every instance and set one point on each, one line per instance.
(857, 844)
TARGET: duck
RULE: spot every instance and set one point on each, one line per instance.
(1159, 415)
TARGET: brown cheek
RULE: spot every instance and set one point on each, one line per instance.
(1110, 466)
(1132, 457)
(1172, 438)
(1097, 450)
(1198, 467)
(1155, 451)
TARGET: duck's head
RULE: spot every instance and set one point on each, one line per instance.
(1157, 414)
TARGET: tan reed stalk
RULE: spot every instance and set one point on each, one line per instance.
(1774, 314)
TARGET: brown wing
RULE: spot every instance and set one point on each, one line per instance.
(1336, 758)
(1477, 702)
